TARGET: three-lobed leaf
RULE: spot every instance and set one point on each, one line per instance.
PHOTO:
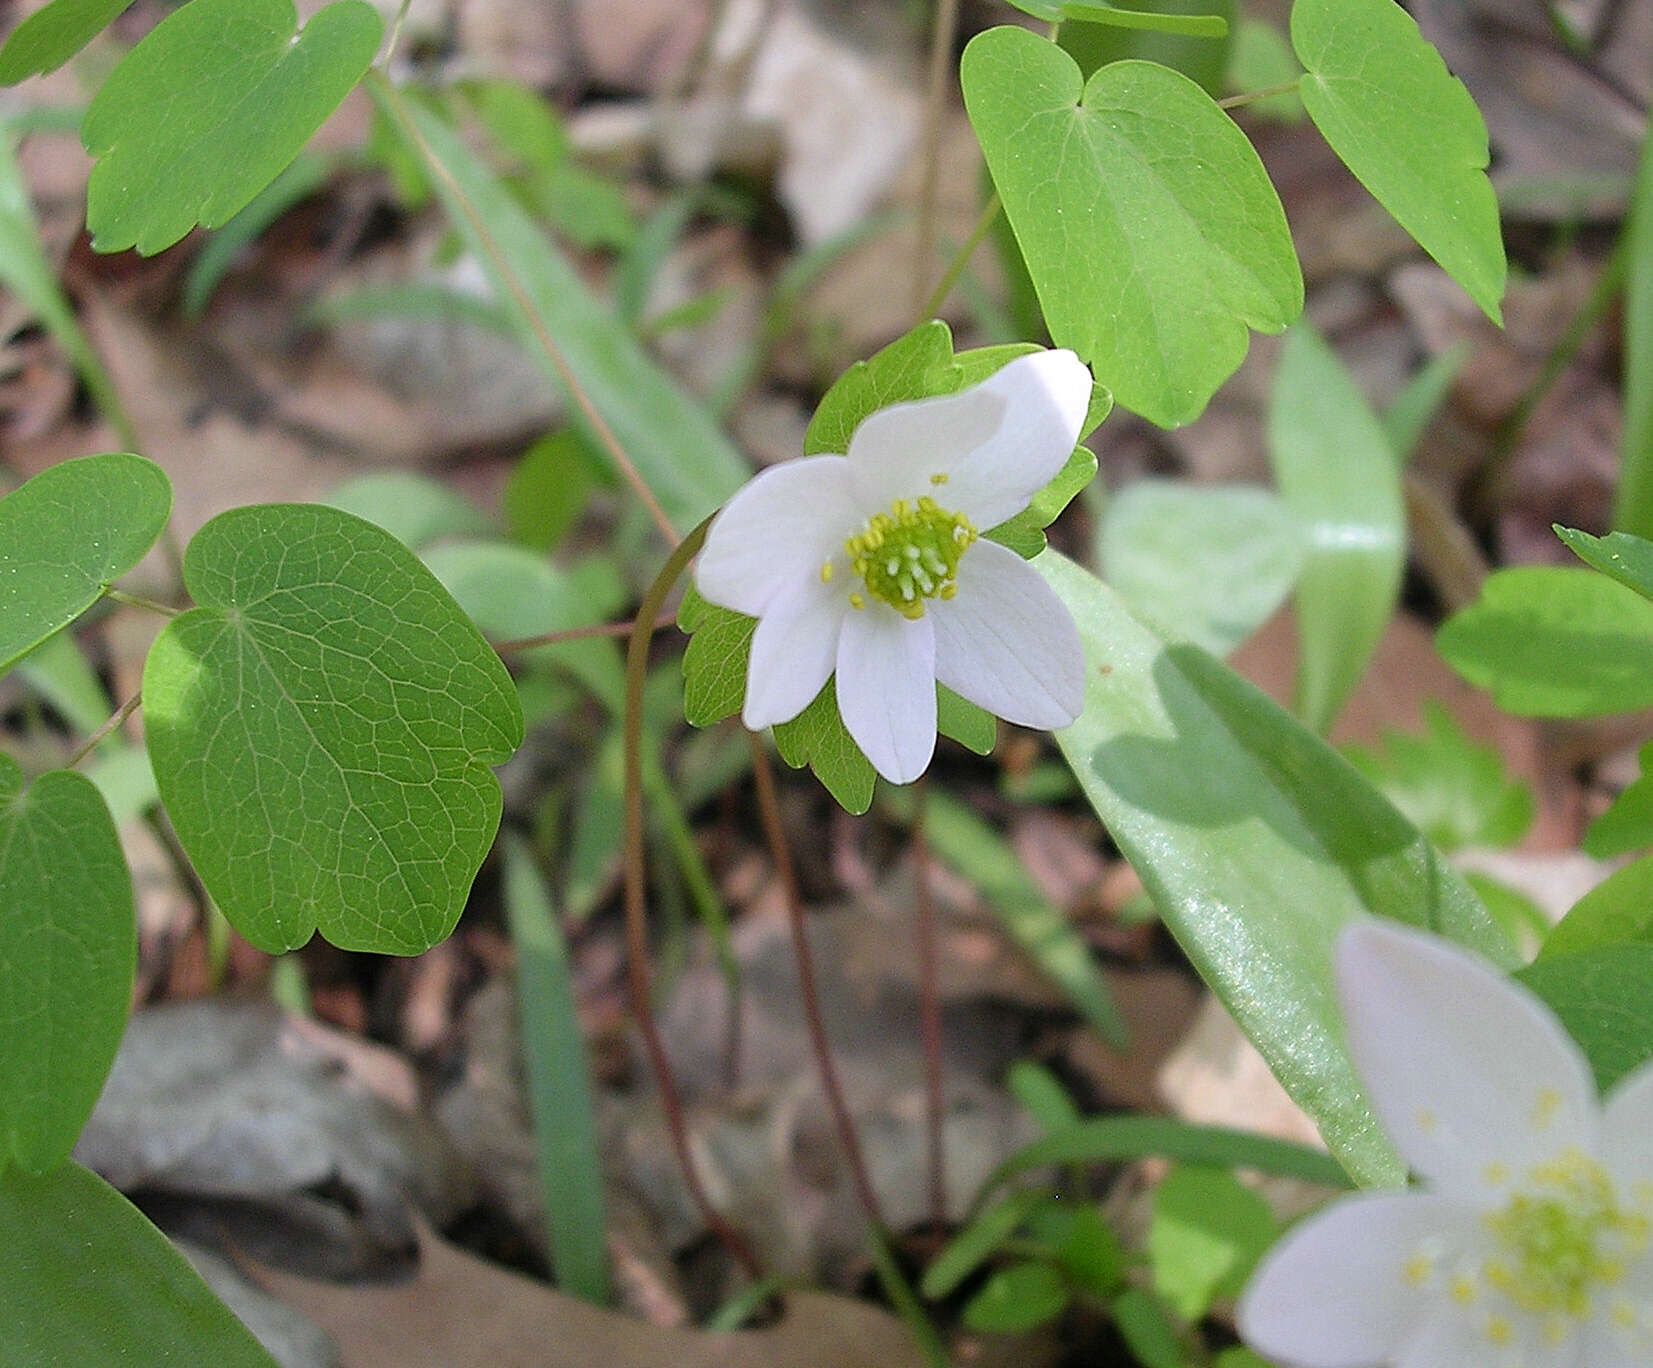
(68, 948)
(209, 108)
(51, 36)
(1153, 235)
(321, 729)
(86, 1279)
(1258, 844)
(1382, 97)
(66, 536)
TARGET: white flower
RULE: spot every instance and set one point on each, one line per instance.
(873, 564)
(1528, 1244)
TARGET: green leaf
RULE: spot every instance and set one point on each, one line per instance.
(981, 855)
(1628, 824)
(66, 536)
(1152, 232)
(686, 462)
(1114, 1139)
(1384, 100)
(1633, 505)
(1261, 60)
(1622, 556)
(25, 273)
(1555, 642)
(1207, 1232)
(321, 728)
(1412, 410)
(1207, 563)
(1451, 789)
(1144, 1326)
(1025, 533)
(1340, 480)
(1199, 25)
(976, 1243)
(1085, 1247)
(714, 664)
(1040, 1093)
(257, 89)
(1257, 843)
(414, 509)
(559, 1085)
(818, 738)
(68, 947)
(974, 728)
(1617, 911)
(86, 1279)
(1200, 56)
(51, 36)
(1016, 1299)
(1602, 999)
(549, 489)
(296, 183)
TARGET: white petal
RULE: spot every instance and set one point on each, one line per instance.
(793, 651)
(1627, 1131)
(1007, 643)
(1469, 1073)
(778, 529)
(1334, 1293)
(1453, 1337)
(996, 444)
(887, 689)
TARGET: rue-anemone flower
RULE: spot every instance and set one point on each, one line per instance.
(1527, 1243)
(875, 565)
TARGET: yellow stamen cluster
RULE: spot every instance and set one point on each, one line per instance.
(909, 554)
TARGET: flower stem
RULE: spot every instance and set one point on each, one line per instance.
(136, 601)
(769, 813)
(929, 1007)
(961, 259)
(637, 939)
(935, 100)
(600, 629)
(98, 737)
(1254, 96)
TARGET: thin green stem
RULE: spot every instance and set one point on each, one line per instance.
(905, 1301)
(601, 629)
(961, 258)
(395, 33)
(137, 601)
(935, 101)
(103, 733)
(1253, 96)
(637, 937)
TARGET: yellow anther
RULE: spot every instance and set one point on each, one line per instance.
(1499, 1330)
(826, 573)
(1545, 1107)
(939, 478)
(910, 554)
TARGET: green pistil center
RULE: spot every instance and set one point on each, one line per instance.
(1563, 1238)
(910, 554)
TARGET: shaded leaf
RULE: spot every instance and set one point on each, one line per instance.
(1554, 642)
(1016, 1299)
(66, 536)
(1617, 911)
(1633, 503)
(1628, 824)
(86, 1279)
(1601, 996)
(68, 948)
(414, 509)
(53, 34)
(258, 87)
(1382, 97)
(1153, 235)
(976, 1243)
(321, 729)
(818, 738)
(1257, 843)
(1622, 556)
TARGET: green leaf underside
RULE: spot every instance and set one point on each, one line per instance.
(68, 949)
(1622, 556)
(1382, 97)
(66, 535)
(688, 464)
(209, 108)
(1258, 844)
(86, 1279)
(1207, 563)
(1617, 911)
(321, 728)
(1337, 475)
(1555, 642)
(51, 36)
(919, 365)
(1153, 235)
(1601, 996)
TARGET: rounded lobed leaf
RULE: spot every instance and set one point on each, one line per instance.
(209, 108)
(51, 36)
(321, 729)
(66, 535)
(67, 955)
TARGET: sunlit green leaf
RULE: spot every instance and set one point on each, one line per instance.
(1555, 642)
(818, 738)
(1258, 844)
(321, 729)
(53, 34)
(1205, 563)
(1617, 911)
(86, 1279)
(1620, 555)
(1340, 480)
(1153, 234)
(66, 536)
(1206, 1234)
(1601, 996)
(68, 947)
(1016, 1299)
(257, 88)
(1382, 97)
